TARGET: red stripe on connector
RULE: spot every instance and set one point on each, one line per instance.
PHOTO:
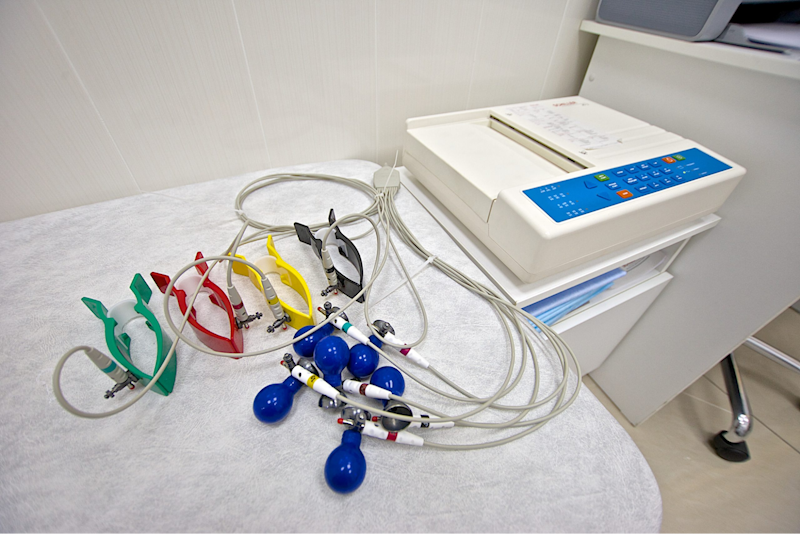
(392, 436)
(405, 352)
(363, 389)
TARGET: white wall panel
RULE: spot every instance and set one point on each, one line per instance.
(117, 97)
(313, 70)
(515, 45)
(170, 81)
(425, 53)
(572, 52)
(54, 151)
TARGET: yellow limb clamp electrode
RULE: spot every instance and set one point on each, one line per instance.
(274, 264)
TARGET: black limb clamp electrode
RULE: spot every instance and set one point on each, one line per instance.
(336, 280)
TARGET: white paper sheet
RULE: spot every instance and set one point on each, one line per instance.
(566, 128)
(774, 33)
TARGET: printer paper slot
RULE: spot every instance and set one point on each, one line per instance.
(555, 157)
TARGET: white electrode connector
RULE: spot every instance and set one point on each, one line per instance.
(350, 330)
(272, 298)
(107, 365)
(368, 390)
(238, 305)
(374, 430)
(314, 382)
(330, 271)
(430, 423)
(409, 353)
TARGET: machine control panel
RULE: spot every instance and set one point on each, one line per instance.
(574, 197)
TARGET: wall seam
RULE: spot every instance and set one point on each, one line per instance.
(377, 90)
(252, 85)
(475, 55)
(87, 93)
(553, 51)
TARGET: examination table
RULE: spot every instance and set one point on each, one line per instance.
(198, 460)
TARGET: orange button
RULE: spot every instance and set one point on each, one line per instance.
(625, 193)
(668, 160)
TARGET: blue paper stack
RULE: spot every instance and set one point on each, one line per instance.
(557, 306)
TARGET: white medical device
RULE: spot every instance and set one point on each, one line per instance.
(549, 185)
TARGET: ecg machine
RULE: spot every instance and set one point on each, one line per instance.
(548, 185)
(568, 197)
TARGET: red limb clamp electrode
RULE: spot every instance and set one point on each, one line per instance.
(186, 284)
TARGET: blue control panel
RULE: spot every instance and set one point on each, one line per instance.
(578, 196)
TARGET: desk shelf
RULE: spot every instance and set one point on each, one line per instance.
(787, 66)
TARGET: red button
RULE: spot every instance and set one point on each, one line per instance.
(625, 193)
(668, 160)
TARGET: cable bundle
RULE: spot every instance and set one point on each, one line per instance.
(523, 331)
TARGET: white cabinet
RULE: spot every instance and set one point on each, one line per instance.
(597, 327)
(596, 331)
(728, 283)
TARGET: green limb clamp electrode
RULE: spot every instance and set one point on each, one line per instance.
(119, 343)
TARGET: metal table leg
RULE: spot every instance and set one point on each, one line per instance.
(730, 444)
(765, 349)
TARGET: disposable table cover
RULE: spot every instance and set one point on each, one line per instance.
(198, 460)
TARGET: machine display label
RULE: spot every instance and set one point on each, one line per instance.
(601, 189)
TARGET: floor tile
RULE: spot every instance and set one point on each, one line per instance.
(700, 491)
(773, 390)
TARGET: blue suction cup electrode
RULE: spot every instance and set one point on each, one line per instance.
(331, 356)
(305, 347)
(273, 402)
(364, 359)
(346, 467)
(389, 378)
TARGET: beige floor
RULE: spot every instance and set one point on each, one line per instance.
(700, 491)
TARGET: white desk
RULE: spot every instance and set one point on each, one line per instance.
(198, 460)
(729, 282)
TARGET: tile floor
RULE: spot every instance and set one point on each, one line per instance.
(700, 491)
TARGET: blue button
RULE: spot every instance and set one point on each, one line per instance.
(632, 170)
(643, 177)
(666, 170)
(655, 163)
(619, 172)
(642, 188)
(655, 185)
(655, 174)
(612, 185)
(644, 166)
(679, 177)
(590, 184)
(604, 196)
(666, 181)
(631, 180)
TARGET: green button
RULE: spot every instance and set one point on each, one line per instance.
(602, 177)
(678, 157)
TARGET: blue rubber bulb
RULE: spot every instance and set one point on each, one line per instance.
(273, 402)
(305, 347)
(389, 378)
(346, 467)
(331, 356)
(363, 359)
